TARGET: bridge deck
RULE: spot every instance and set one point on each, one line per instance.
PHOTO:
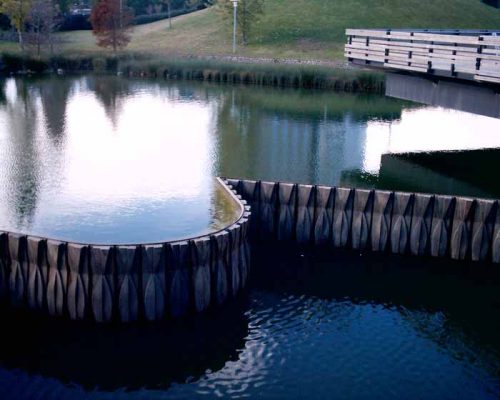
(464, 54)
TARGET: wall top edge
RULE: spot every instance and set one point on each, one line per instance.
(180, 241)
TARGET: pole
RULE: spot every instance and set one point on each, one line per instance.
(235, 9)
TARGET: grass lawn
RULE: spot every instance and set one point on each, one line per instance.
(298, 29)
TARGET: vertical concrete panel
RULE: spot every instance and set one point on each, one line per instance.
(244, 251)
(267, 210)
(178, 278)
(78, 281)
(495, 253)
(306, 199)
(18, 276)
(362, 218)
(200, 259)
(4, 265)
(220, 279)
(245, 239)
(342, 216)
(287, 200)
(102, 267)
(128, 265)
(461, 234)
(442, 219)
(421, 224)
(37, 270)
(482, 229)
(383, 203)
(401, 222)
(154, 297)
(57, 279)
(323, 214)
(234, 262)
(250, 191)
(234, 183)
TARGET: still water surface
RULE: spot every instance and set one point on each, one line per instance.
(111, 160)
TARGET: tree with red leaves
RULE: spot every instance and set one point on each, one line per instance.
(111, 23)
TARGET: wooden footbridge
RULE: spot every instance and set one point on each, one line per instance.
(463, 54)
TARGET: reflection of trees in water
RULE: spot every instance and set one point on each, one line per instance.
(3, 96)
(129, 356)
(54, 94)
(34, 149)
(292, 135)
(25, 164)
(111, 91)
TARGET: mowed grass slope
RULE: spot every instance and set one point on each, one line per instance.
(302, 29)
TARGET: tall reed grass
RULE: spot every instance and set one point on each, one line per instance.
(279, 75)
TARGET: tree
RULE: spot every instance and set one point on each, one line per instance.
(111, 23)
(18, 12)
(249, 12)
(42, 24)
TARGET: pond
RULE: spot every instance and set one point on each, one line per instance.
(111, 160)
(102, 159)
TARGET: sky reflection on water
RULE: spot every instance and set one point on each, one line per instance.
(88, 158)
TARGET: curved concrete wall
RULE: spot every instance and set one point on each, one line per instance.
(375, 220)
(125, 283)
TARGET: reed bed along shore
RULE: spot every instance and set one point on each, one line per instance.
(298, 75)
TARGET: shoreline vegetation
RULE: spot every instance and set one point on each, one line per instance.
(277, 74)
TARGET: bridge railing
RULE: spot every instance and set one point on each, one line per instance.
(466, 54)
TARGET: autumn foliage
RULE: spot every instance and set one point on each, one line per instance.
(111, 23)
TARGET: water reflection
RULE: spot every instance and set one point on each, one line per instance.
(114, 357)
(334, 326)
(131, 159)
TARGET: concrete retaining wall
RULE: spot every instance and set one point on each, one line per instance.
(374, 220)
(125, 283)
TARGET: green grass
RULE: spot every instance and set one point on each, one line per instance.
(298, 29)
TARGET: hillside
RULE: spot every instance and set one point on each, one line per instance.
(295, 28)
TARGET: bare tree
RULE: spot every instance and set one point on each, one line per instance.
(43, 22)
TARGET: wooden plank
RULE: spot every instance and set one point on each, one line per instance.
(447, 38)
(408, 68)
(364, 57)
(487, 78)
(465, 70)
(364, 48)
(466, 32)
(486, 57)
(364, 32)
(429, 37)
(364, 53)
(492, 64)
(409, 46)
(489, 72)
(490, 40)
